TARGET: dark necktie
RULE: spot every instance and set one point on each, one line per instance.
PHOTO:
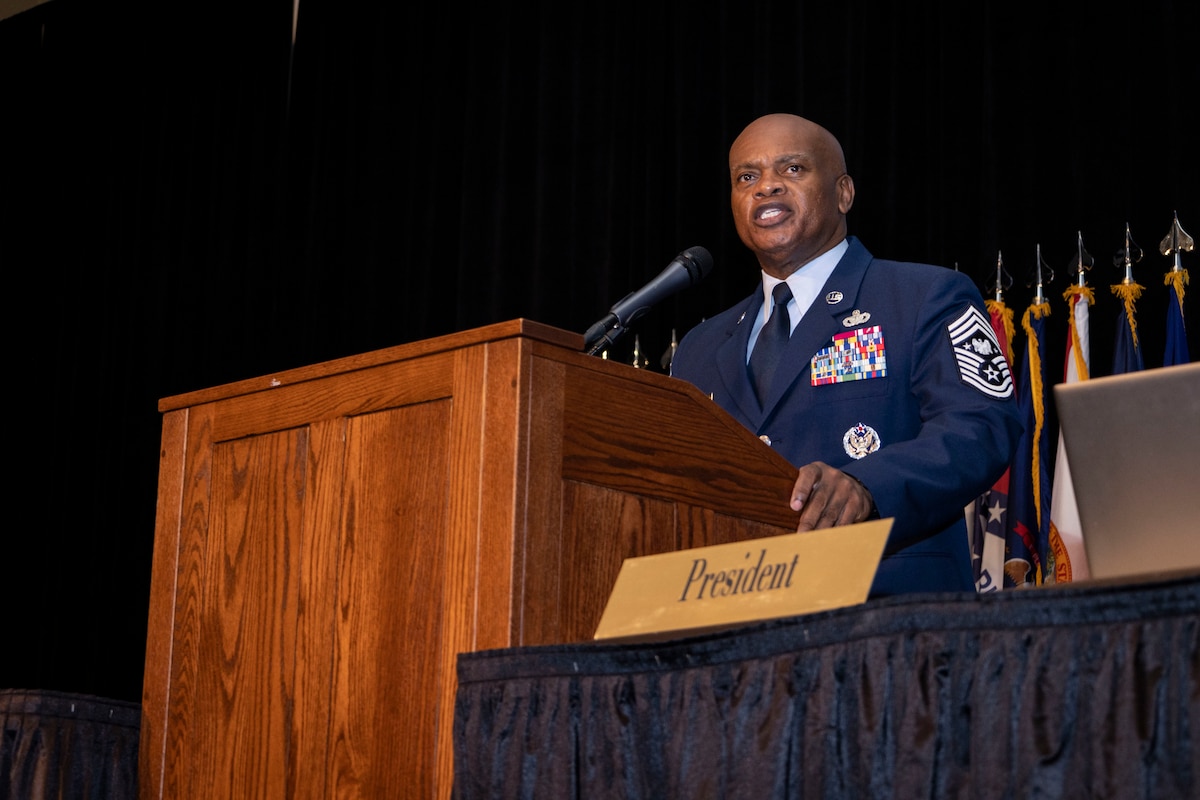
(771, 341)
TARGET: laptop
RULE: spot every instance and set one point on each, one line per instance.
(1133, 449)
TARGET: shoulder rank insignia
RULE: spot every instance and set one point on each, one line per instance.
(981, 362)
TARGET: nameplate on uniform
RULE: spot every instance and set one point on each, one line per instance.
(709, 588)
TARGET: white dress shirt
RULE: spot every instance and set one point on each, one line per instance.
(806, 283)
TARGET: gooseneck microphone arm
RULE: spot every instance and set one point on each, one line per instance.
(688, 268)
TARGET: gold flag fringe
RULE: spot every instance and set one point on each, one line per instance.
(1037, 310)
(1006, 316)
(1129, 294)
(1179, 279)
(1085, 295)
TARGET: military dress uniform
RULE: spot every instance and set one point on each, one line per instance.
(894, 376)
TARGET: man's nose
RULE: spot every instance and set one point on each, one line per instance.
(769, 186)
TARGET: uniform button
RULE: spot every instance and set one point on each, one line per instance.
(765, 440)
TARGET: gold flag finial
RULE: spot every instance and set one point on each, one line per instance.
(1127, 256)
(669, 354)
(1175, 242)
(1003, 279)
(1082, 262)
(1042, 274)
(638, 360)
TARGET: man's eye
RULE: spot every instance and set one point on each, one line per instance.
(792, 169)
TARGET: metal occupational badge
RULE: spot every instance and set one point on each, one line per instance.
(857, 318)
(860, 440)
(981, 362)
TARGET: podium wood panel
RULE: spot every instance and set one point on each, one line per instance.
(330, 538)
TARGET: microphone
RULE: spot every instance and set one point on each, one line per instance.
(686, 270)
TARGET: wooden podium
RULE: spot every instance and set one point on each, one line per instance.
(329, 539)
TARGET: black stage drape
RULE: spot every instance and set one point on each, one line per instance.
(193, 194)
(60, 746)
(1073, 692)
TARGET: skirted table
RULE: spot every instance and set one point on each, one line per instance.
(64, 746)
(1086, 690)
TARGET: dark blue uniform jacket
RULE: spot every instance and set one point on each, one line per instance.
(894, 376)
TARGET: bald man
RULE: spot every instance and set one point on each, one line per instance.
(891, 394)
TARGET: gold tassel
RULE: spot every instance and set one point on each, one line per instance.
(1179, 279)
(1085, 295)
(1037, 310)
(1129, 294)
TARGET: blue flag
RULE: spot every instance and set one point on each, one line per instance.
(1175, 242)
(1127, 352)
(1027, 543)
(1177, 347)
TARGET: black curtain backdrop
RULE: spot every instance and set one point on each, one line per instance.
(188, 197)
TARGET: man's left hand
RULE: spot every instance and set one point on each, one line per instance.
(827, 497)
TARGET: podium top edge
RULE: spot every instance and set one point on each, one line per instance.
(516, 328)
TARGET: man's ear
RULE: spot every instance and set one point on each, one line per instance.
(845, 190)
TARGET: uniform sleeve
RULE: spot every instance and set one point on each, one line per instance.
(969, 419)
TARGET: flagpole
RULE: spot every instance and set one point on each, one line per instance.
(987, 515)
(1173, 244)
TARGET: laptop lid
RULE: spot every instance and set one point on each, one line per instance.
(1133, 450)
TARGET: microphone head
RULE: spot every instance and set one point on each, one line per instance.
(685, 270)
(699, 262)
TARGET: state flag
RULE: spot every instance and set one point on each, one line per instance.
(1027, 542)
(1070, 561)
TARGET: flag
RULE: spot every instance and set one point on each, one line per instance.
(1127, 353)
(1070, 562)
(1175, 242)
(1027, 551)
(1177, 346)
(988, 515)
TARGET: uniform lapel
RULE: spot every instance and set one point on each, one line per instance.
(816, 329)
(731, 358)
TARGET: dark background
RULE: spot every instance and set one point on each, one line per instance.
(187, 198)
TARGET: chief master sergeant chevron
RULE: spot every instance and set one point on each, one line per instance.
(891, 395)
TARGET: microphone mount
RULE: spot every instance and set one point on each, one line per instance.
(603, 334)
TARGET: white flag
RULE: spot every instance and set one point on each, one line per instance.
(1064, 513)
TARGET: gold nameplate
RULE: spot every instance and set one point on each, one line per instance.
(708, 588)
